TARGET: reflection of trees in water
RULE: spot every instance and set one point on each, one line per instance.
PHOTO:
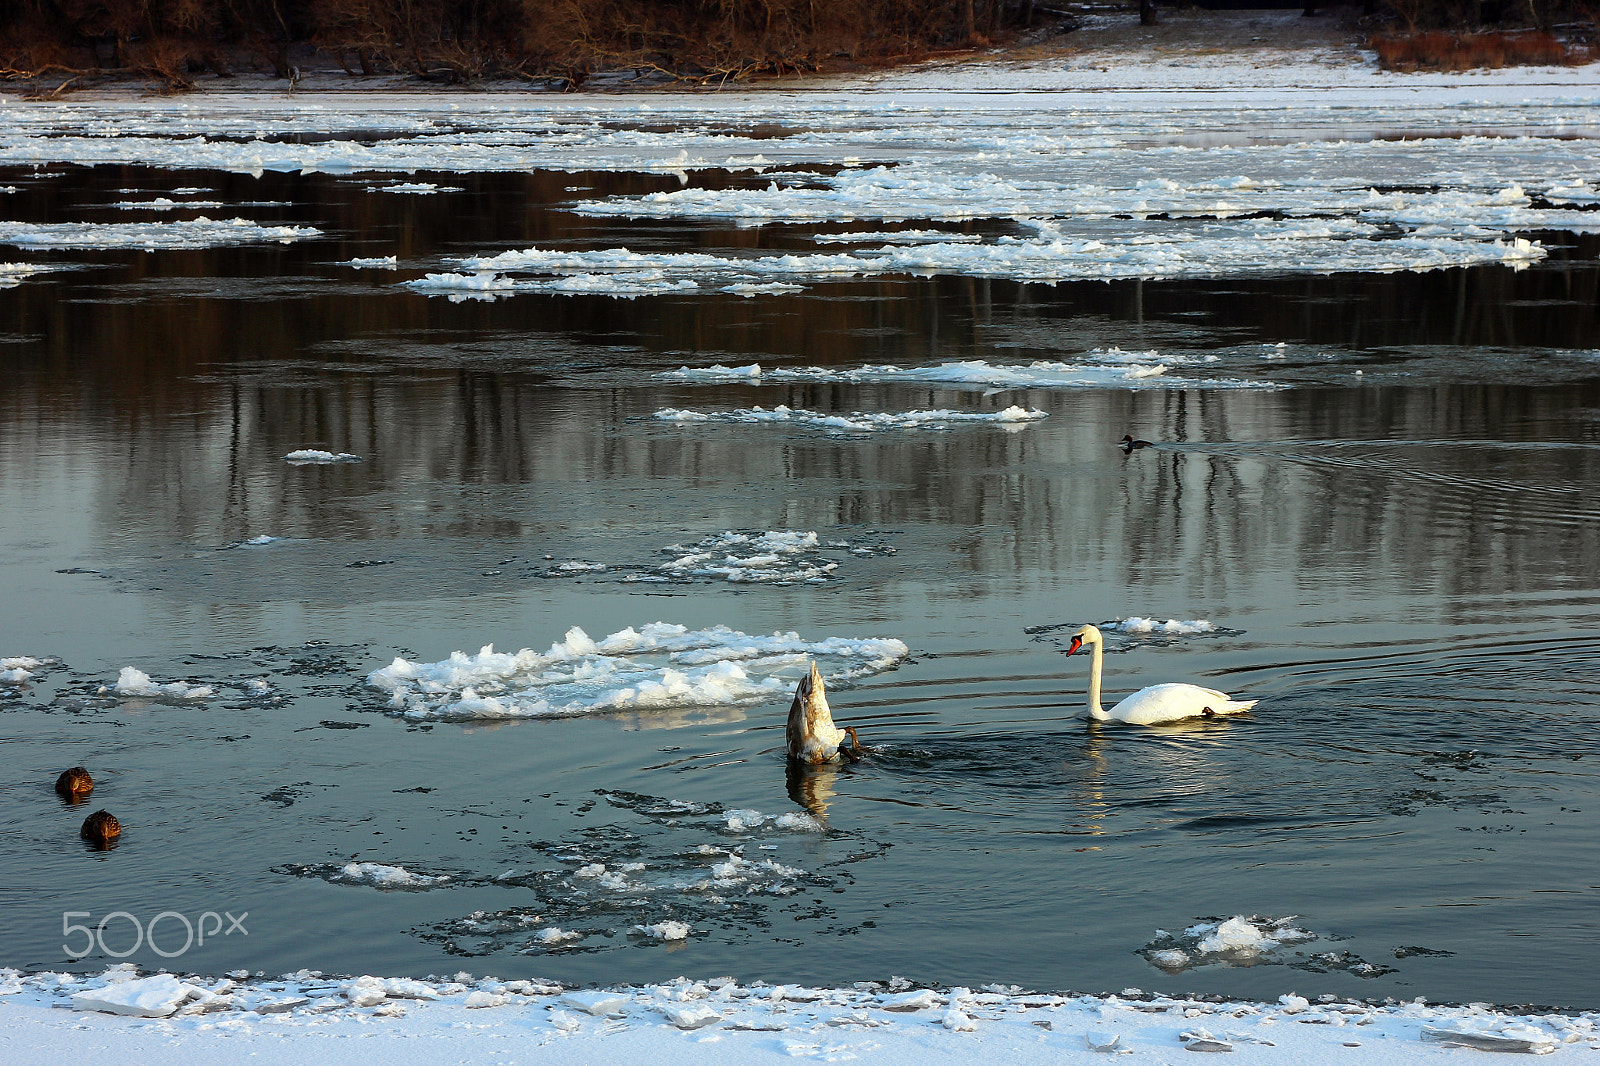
(193, 400)
(493, 455)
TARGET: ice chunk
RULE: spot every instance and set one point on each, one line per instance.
(303, 456)
(694, 1016)
(660, 666)
(385, 876)
(668, 930)
(1524, 1038)
(146, 997)
(1171, 626)
(132, 681)
(186, 233)
(597, 1002)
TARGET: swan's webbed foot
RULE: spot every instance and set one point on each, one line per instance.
(855, 751)
(1208, 713)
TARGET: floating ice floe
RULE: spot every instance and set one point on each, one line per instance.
(16, 669)
(382, 262)
(659, 666)
(420, 188)
(1248, 247)
(376, 874)
(307, 456)
(132, 681)
(1239, 940)
(777, 557)
(1171, 627)
(181, 234)
(1100, 368)
(664, 930)
(162, 203)
(907, 236)
(1011, 417)
(12, 274)
(747, 821)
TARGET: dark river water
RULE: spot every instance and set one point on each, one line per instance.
(1398, 544)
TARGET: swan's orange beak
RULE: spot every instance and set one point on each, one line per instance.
(1077, 642)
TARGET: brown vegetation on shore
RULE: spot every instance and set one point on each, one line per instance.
(1474, 51)
(53, 46)
(564, 42)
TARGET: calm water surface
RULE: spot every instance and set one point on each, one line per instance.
(1402, 550)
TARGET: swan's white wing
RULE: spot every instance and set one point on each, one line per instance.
(1175, 702)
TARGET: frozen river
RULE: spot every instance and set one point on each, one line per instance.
(805, 378)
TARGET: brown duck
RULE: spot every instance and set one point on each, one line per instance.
(101, 829)
(75, 783)
(812, 737)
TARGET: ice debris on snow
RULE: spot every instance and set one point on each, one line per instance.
(311, 456)
(261, 1006)
(659, 666)
(182, 234)
(1011, 418)
(132, 681)
(146, 997)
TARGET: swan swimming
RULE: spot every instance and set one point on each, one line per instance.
(1157, 704)
(811, 734)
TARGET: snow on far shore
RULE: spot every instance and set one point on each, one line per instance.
(309, 1018)
(1011, 418)
(659, 666)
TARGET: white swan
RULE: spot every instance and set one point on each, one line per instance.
(812, 737)
(1158, 703)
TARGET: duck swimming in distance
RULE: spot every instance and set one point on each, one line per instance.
(1156, 704)
(811, 735)
(1129, 444)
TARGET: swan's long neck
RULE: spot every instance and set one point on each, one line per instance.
(1096, 712)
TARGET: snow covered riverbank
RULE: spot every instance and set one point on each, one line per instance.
(121, 1016)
